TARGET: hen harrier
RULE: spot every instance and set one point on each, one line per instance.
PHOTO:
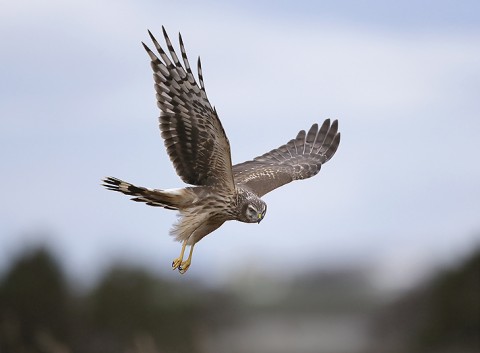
(199, 149)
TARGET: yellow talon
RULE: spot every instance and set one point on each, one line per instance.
(176, 263)
(186, 264)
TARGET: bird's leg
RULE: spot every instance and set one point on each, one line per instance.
(186, 264)
(178, 261)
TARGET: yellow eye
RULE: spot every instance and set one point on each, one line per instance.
(259, 215)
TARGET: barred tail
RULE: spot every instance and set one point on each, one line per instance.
(169, 199)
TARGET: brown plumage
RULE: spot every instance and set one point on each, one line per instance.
(200, 152)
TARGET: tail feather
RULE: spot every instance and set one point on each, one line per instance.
(169, 199)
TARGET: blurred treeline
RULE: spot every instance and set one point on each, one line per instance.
(441, 315)
(131, 310)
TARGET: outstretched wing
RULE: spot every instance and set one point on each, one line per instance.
(301, 158)
(193, 134)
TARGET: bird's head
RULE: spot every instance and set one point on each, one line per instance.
(254, 210)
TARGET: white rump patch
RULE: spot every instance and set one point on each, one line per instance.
(174, 192)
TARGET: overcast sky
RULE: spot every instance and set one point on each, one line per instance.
(403, 78)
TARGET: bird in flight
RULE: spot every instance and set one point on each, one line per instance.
(200, 152)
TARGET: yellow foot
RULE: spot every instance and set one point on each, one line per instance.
(176, 263)
(184, 266)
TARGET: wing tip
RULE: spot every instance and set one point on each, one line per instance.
(332, 149)
(145, 47)
(180, 39)
(301, 134)
(334, 124)
(151, 35)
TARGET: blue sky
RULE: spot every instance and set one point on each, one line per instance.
(402, 193)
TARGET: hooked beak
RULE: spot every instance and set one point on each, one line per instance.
(260, 217)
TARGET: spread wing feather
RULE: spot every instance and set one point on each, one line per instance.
(300, 158)
(193, 134)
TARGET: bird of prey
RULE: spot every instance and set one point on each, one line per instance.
(200, 152)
